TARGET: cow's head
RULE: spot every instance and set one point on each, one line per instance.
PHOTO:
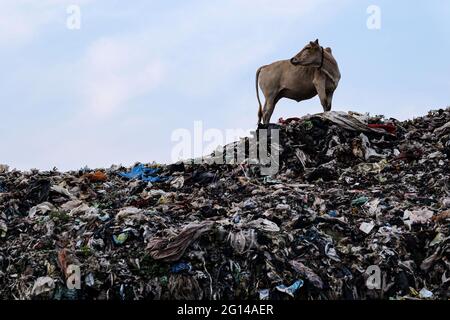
(310, 56)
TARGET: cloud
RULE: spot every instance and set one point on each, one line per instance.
(21, 21)
(208, 43)
(194, 49)
(281, 8)
(116, 70)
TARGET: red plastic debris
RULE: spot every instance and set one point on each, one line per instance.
(389, 127)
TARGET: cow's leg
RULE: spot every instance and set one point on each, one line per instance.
(329, 99)
(261, 114)
(269, 107)
(319, 83)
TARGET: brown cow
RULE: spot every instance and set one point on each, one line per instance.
(313, 71)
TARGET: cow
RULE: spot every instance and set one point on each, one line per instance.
(313, 71)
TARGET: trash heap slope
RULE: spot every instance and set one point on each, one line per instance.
(360, 208)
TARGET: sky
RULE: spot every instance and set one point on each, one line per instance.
(114, 90)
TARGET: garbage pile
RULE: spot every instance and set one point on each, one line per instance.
(359, 209)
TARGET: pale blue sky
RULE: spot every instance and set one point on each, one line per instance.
(114, 91)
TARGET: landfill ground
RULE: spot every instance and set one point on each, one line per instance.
(360, 209)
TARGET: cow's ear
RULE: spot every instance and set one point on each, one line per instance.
(317, 41)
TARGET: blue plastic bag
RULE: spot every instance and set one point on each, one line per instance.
(142, 173)
(180, 267)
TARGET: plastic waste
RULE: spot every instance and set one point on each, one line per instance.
(350, 195)
(292, 289)
(142, 173)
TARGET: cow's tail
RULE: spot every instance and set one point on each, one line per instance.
(260, 111)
